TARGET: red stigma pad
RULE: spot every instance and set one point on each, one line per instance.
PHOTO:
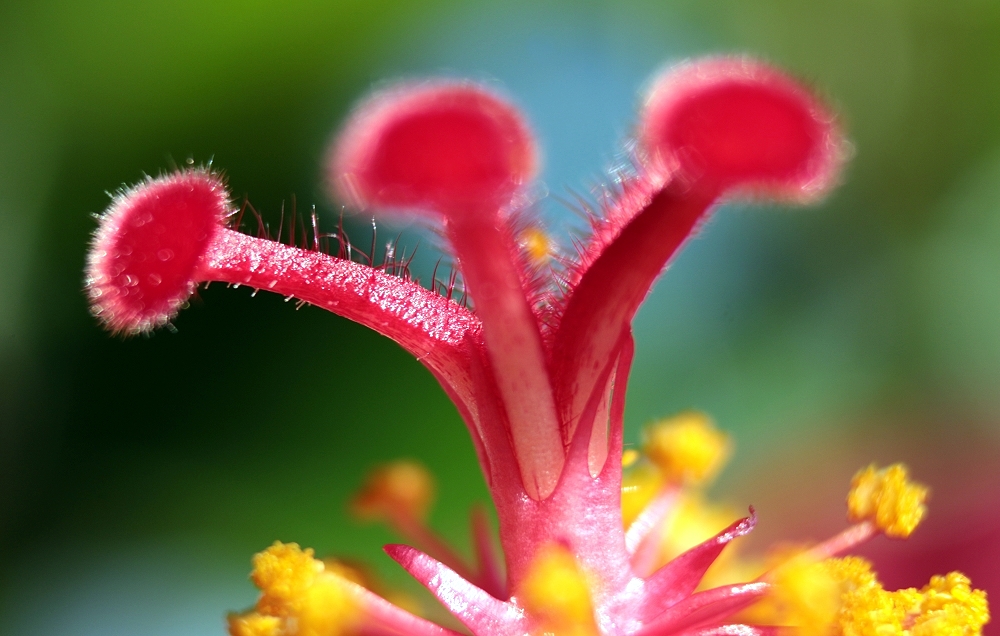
(446, 147)
(144, 261)
(741, 124)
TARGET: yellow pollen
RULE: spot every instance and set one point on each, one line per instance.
(947, 606)
(888, 499)
(299, 597)
(687, 448)
(843, 597)
(401, 488)
(951, 607)
(806, 595)
(254, 624)
(536, 244)
(556, 593)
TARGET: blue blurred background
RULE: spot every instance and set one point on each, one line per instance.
(137, 476)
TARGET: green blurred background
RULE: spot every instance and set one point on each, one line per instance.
(137, 476)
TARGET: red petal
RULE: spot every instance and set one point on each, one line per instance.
(382, 618)
(738, 630)
(704, 608)
(475, 608)
(679, 578)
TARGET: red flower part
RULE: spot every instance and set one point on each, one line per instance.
(543, 399)
(680, 577)
(730, 123)
(449, 148)
(458, 151)
(478, 610)
(143, 262)
(709, 128)
(159, 240)
(704, 609)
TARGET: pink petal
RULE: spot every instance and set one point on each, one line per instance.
(475, 608)
(738, 630)
(677, 579)
(382, 618)
(704, 608)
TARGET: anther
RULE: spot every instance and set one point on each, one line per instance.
(887, 498)
(687, 448)
(556, 593)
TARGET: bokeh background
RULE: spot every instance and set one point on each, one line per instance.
(137, 476)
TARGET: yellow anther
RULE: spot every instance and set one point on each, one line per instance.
(639, 485)
(947, 606)
(556, 593)
(853, 573)
(843, 597)
(629, 457)
(888, 499)
(536, 244)
(299, 596)
(951, 607)
(401, 488)
(806, 595)
(254, 624)
(865, 606)
(687, 448)
(284, 572)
